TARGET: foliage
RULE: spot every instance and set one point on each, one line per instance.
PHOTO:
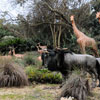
(92, 24)
(17, 43)
(29, 60)
(4, 32)
(43, 22)
(35, 26)
(42, 75)
(18, 61)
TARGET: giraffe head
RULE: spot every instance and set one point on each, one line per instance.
(72, 17)
(98, 16)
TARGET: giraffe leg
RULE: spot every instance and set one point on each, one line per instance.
(83, 49)
(95, 51)
(80, 44)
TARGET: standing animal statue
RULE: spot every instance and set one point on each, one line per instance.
(10, 53)
(83, 40)
(98, 59)
(40, 50)
(98, 16)
(65, 61)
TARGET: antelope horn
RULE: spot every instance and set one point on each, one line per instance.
(64, 48)
(45, 51)
(57, 48)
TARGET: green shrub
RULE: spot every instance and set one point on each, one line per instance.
(5, 32)
(18, 43)
(29, 60)
(32, 58)
(43, 75)
(18, 61)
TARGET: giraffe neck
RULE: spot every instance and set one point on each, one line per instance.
(77, 32)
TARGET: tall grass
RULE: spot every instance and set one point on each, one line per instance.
(11, 74)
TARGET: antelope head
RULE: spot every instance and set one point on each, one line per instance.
(98, 16)
(72, 17)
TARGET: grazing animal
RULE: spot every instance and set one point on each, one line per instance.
(98, 16)
(39, 59)
(40, 48)
(65, 61)
(17, 55)
(98, 70)
(83, 40)
(12, 53)
(40, 51)
(98, 59)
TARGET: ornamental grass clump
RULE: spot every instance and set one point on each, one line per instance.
(77, 87)
(12, 75)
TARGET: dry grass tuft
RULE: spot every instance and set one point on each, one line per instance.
(76, 87)
(12, 75)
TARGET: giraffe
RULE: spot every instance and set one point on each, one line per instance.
(98, 16)
(83, 40)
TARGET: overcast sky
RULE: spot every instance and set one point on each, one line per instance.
(5, 5)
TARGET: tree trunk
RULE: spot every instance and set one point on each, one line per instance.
(59, 35)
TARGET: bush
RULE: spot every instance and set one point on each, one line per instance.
(18, 61)
(29, 60)
(17, 43)
(5, 32)
(43, 75)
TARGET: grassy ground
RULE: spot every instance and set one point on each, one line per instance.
(38, 92)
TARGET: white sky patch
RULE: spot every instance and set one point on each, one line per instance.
(5, 5)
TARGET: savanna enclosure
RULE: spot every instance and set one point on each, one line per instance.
(47, 23)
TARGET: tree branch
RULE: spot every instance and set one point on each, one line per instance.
(59, 13)
(16, 33)
(35, 25)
